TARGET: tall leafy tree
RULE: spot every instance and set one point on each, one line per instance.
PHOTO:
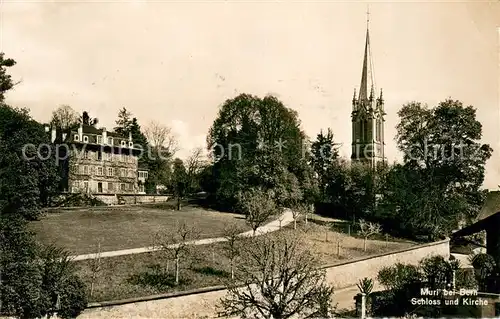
(257, 142)
(444, 157)
(87, 120)
(324, 155)
(124, 122)
(179, 181)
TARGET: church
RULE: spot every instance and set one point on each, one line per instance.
(368, 116)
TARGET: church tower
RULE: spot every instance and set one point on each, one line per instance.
(368, 116)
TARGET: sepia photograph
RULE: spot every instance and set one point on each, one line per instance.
(249, 159)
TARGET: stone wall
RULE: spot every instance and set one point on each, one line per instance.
(202, 303)
(132, 199)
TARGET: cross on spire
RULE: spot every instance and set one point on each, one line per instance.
(367, 15)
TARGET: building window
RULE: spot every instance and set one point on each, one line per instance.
(109, 156)
(130, 144)
(86, 186)
(99, 170)
(99, 187)
(99, 139)
(110, 140)
(86, 154)
(110, 171)
(110, 186)
(85, 139)
(99, 156)
(77, 137)
(141, 188)
(124, 143)
(74, 187)
(122, 186)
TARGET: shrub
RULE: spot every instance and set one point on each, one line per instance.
(398, 276)
(73, 299)
(465, 278)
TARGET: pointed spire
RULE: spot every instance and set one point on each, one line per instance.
(367, 76)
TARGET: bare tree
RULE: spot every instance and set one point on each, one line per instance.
(64, 117)
(95, 268)
(277, 279)
(258, 206)
(161, 139)
(176, 245)
(232, 246)
(367, 229)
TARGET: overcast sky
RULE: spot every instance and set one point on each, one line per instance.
(177, 62)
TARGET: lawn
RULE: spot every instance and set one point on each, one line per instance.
(146, 274)
(80, 231)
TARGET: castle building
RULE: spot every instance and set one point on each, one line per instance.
(99, 162)
(368, 116)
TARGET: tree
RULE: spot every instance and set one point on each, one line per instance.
(179, 181)
(258, 206)
(28, 176)
(176, 245)
(64, 117)
(367, 229)
(162, 146)
(6, 82)
(232, 245)
(324, 154)
(279, 280)
(85, 119)
(443, 143)
(255, 142)
(124, 122)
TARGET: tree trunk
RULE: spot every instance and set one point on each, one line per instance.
(294, 223)
(306, 218)
(254, 230)
(364, 244)
(176, 271)
(232, 270)
(178, 203)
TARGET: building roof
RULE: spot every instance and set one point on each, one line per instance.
(491, 207)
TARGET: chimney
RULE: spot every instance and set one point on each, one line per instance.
(130, 136)
(80, 132)
(53, 134)
(104, 136)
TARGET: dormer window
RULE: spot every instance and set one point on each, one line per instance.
(124, 143)
(77, 137)
(130, 144)
(85, 139)
(99, 139)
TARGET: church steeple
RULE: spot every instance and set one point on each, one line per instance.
(367, 74)
(368, 114)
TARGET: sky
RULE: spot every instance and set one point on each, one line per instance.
(176, 62)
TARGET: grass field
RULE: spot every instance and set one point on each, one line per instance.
(80, 231)
(146, 274)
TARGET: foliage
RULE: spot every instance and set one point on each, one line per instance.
(485, 268)
(258, 206)
(442, 155)
(64, 117)
(280, 280)
(27, 162)
(6, 82)
(85, 119)
(324, 154)
(258, 142)
(397, 276)
(365, 285)
(437, 271)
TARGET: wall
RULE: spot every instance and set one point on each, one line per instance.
(202, 303)
(132, 199)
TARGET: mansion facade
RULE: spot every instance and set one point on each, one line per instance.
(97, 161)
